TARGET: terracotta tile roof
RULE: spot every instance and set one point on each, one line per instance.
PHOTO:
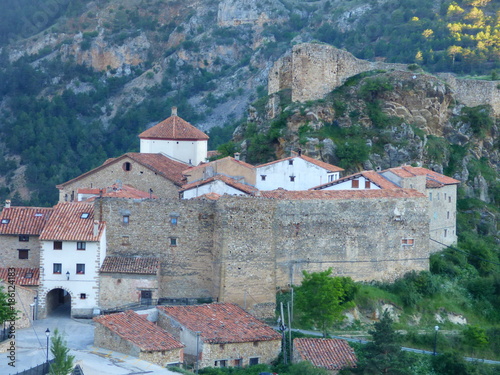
(174, 127)
(141, 332)
(373, 176)
(341, 194)
(434, 179)
(138, 265)
(159, 163)
(221, 323)
(117, 191)
(218, 161)
(319, 163)
(72, 222)
(212, 153)
(330, 354)
(24, 220)
(22, 276)
(210, 196)
(248, 189)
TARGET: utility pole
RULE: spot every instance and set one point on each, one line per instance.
(282, 328)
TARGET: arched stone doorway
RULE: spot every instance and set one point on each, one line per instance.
(58, 303)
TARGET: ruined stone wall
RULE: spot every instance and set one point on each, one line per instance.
(474, 92)
(9, 253)
(186, 267)
(138, 177)
(312, 70)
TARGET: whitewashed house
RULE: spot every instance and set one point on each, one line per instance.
(219, 184)
(176, 139)
(73, 248)
(359, 181)
(298, 172)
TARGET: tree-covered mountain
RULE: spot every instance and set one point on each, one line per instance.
(80, 79)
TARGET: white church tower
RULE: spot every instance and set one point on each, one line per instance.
(177, 139)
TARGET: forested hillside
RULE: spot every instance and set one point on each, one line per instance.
(79, 80)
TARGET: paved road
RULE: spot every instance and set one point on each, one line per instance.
(31, 349)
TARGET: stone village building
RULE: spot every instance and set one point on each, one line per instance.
(231, 246)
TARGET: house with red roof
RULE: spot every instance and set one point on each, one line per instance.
(441, 192)
(20, 229)
(220, 335)
(176, 139)
(228, 166)
(297, 172)
(129, 279)
(219, 184)
(130, 333)
(330, 354)
(73, 248)
(361, 180)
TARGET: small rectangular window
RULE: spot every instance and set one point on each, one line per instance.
(85, 215)
(5, 221)
(125, 240)
(83, 296)
(407, 241)
(446, 232)
(430, 196)
(173, 220)
(354, 184)
(57, 268)
(331, 177)
(80, 269)
(81, 245)
(448, 214)
(253, 361)
(367, 184)
(290, 162)
(238, 362)
(126, 219)
(23, 253)
(57, 245)
(24, 238)
(173, 241)
(292, 178)
(263, 177)
(256, 343)
(449, 199)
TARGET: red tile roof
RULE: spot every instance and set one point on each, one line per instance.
(174, 127)
(210, 196)
(22, 276)
(319, 163)
(218, 161)
(159, 163)
(247, 189)
(434, 179)
(330, 354)
(117, 191)
(220, 323)
(341, 194)
(24, 220)
(373, 176)
(141, 332)
(138, 265)
(67, 223)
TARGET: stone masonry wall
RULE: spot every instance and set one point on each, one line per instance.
(9, 254)
(122, 288)
(186, 268)
(312, 70)
(240, 249)
(138, 177)
(104, 338)
(265, 351)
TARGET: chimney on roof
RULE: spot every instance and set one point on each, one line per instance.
(378, 169)
(174, 111)
(300, 151)
(237, 155)
(96, 228)
(7, 203)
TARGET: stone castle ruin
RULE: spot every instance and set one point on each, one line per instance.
(312, 70)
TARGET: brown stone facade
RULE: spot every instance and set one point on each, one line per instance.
(105, 338)
(10, 253)
(241, 249)
(133, 174)
(117, 289)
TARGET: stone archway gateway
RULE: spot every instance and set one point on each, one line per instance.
(58, 303)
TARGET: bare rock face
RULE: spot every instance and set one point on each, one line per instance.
(237, 12)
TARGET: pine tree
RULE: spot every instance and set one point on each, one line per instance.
(383, 355)
(63, 362)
